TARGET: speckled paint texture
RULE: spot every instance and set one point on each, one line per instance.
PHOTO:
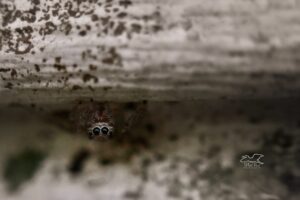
(59, 50)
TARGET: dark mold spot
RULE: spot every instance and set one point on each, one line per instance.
(21, 47)
(112, 58)
(22, 167)
(95, 17)
(22, 43)
(8, 85)
(57, 59)
(13, 73)
(28, 16)
(93, 67)
(111, 24)
(116, 9)
(65, 27)
(76, 87)
(156, 28)
(35, 2)
(60, 67)
(48, 29)
(5, 69)
(56, 9)
(105, 20)
(82, 33)
(78, 161)
(88, 77)
(120, 29)
(122, 15)
(136, 28)
(37, 68)
(125, 3)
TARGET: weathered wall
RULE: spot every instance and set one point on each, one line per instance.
(189, 151)
(53, 52)
(164, 50)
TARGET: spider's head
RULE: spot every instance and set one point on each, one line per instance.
(101, 130)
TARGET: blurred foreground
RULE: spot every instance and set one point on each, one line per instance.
(178, 150)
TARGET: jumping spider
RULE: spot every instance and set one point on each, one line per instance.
(102, 121)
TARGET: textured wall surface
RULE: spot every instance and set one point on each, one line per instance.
(190, 151)
(59, 50)
(55, 52)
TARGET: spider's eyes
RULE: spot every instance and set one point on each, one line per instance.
(96, 131)
(100, 129)
(104, 130)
